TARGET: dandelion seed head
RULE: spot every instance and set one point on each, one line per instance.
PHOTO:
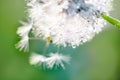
(72, 22)
(63, 23)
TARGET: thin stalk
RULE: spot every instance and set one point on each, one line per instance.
(111, 20)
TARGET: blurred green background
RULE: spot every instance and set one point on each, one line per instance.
(98, 59)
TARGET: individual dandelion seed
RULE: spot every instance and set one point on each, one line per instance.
(23, 44)
(23, 32)
(36, 59)
(24, 29)
(56, 60)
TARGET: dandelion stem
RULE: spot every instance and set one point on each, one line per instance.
(58, 48)
(33, 38)
(111, 20)
(45, 47)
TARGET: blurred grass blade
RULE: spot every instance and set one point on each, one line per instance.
(111, 20)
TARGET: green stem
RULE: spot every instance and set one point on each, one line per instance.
(111, 20)
(33, 38)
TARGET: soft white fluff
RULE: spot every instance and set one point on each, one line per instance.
(54, 60)
(57, 60)
(70, 22)
(36, 59)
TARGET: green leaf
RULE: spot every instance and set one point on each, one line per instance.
(111, 20)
